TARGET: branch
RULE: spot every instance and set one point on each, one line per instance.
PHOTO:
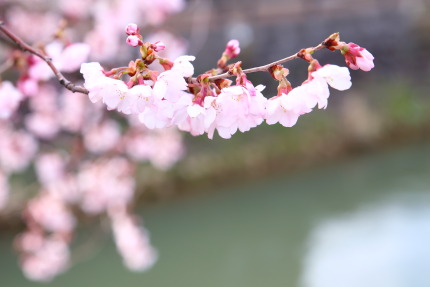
(27, 48)
(265, 68)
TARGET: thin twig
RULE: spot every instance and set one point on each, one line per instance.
(74, 88)
(265, 68)
(27, 48)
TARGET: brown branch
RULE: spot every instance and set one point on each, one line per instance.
(27, 48)
(74, 88)
(265, 68)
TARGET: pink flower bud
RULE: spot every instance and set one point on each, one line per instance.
(232, 49)
(134, 41)
(159, 46)
(131, 29)
(357, 57)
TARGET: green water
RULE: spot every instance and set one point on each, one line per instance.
(255, 233)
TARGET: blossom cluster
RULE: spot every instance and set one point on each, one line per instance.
(200, 106)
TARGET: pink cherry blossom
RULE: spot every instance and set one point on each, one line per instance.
(10, 97)
(91, 71)
(287, 108)
(357, 57)
(337, 77)
(136, 99)
(315, 91)
(236, 109)
(183, 66)
(111, 91)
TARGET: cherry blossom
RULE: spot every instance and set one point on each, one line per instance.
(287, 108)
(236, 109)
(337, 77)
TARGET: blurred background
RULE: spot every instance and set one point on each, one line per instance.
(340, 199)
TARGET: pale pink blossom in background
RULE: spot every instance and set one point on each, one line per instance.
(73, 110)
(32, 26)
(17, 149)
(77, 9)
(167, 148)
(66, 59)
(4, 189)
(104, 184)
(47, 261)
(44, 125)
(132, 242)
(50, 167)
(175, 46)
(28, 86)
(161, 147)
(52, 174)
(10, 97)
(157, 11)
(41, 210)
(102, 137)
(45, 100)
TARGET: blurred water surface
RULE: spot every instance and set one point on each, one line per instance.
(363, 221)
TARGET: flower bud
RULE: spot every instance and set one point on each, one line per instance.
(158, 46)
(357, 57)
(134, 41)
(232, 49)
(131, 29)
